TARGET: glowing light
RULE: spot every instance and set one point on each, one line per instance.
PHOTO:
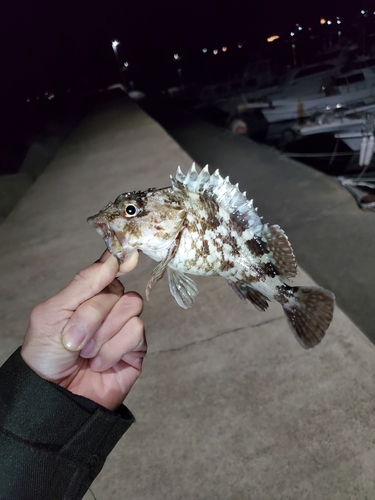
(362, 11)
(215, 51)
(224, 49)
(322, 20)
(126, 64)
(291, 33)
(115, 43)
(28, 99)
(329, 22)
(176, 56)
(299, 28)
(272, 38)
(338, 21)
(204, 50)
(239, 45)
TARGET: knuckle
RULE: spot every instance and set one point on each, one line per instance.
(84, 279)
(94, 310)
(134, 302)
(138, 329)
(37, 313)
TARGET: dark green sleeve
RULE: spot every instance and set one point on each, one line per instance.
(52, 443)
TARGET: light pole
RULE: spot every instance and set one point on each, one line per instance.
(178, 58)
(115, 44)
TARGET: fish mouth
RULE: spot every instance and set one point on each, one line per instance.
(114, 240)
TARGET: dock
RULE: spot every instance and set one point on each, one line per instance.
(228, 406)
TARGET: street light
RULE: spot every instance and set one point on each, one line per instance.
(115, 44)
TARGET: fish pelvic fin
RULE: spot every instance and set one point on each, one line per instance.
(247, 294)
(309, 312)
(183, 288)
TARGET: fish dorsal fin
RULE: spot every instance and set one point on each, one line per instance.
(281, 251)
(226, 195)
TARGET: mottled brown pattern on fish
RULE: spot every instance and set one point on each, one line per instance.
(255, 247)
(237, 226)
(226, 265)
(211, 209)
(267, 268)
(233, 242)
(284, 292)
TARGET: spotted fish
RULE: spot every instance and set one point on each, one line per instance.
(203, 225)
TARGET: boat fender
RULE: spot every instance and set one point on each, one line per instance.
(300, 109)
(362, 152)
(369, 150)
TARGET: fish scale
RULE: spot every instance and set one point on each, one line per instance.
(203, 225)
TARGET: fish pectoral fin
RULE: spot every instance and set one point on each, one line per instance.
(160, 269)
(183, 288)
(248, 294)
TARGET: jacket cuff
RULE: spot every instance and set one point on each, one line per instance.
(46, 416)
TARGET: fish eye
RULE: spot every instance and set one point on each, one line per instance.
(130, 209)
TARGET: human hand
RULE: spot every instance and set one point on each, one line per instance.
(88, 337)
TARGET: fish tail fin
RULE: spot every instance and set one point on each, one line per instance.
(309, 312)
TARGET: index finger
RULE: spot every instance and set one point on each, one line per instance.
(86, 284)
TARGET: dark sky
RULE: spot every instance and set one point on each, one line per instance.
(49, 40)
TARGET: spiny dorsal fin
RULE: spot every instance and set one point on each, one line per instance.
(281, 250)
(225, 194)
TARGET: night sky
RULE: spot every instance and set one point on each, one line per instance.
(49, 43)
(38, 36)
(63, 48)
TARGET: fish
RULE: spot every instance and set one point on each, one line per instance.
(203, 225)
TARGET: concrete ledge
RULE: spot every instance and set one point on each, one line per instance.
(12, 188)
(39, 156)
(229, 405)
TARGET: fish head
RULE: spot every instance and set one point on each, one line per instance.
(149, 221)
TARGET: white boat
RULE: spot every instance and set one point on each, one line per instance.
(263, 79)
(260, 78)
(337, 120)
(350, 89)
(305, 80)
(357, 140)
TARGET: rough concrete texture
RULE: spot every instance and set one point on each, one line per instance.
(39, 156)
(229, 405)
(12, 188)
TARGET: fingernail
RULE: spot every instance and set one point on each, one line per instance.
(88, 350)
(74, 337)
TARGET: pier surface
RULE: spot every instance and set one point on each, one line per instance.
(229, 406)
